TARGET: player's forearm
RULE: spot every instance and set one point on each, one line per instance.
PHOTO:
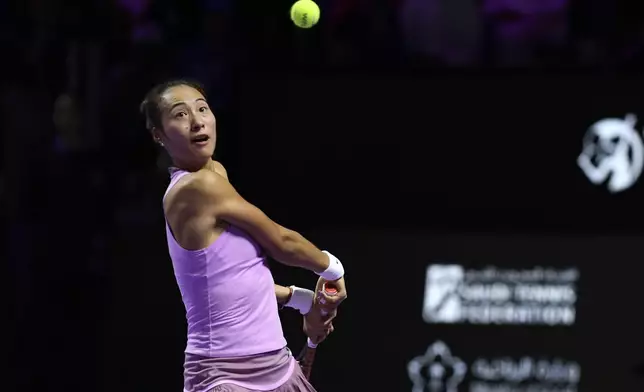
(283, 294)
(297, 251)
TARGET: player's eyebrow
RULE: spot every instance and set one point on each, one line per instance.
(183, 103)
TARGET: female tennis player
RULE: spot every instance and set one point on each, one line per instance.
(216, 241)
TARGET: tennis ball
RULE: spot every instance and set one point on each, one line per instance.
(305, 13)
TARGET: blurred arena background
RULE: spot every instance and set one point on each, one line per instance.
(453, 153)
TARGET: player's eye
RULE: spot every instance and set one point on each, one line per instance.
(180, 114)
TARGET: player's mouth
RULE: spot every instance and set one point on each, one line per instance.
(200, 140)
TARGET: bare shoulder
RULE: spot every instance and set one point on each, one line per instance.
(191, 208)
(191, 190)
(202, 183)
(194, 201)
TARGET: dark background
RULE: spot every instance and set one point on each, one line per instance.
(395, 134)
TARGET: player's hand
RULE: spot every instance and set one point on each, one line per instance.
(330, 302)
(318, 326)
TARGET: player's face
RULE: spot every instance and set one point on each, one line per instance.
(189, 132)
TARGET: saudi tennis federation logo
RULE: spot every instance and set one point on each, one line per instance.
(442, 300)
(436, 371)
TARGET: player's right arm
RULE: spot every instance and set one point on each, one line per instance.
(213, 195)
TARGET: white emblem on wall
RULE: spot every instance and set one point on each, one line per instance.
(442, 302)
(436, 371)
(613, 153)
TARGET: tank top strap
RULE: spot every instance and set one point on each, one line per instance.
(174, 178)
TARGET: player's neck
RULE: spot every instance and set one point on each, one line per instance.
(192, 167)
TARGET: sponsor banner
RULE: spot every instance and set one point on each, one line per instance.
(441, 370)
(533, 296)
(521, 313)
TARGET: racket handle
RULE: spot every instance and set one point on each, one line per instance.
(330, 291)
(307, 355)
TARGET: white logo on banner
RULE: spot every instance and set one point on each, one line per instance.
(613, 151)
(538, 296)
(440, 371)
(437, 370)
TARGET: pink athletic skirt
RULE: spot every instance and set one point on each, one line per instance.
(295, 383)
(276, 371)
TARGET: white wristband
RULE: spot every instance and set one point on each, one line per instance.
(335, 270)
(301, 299)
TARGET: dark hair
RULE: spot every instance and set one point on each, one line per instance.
(150, 105)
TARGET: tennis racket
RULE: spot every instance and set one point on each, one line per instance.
(307, 355)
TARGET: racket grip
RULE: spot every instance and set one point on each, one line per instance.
(309, 342)
(307, 355)
(329, 291)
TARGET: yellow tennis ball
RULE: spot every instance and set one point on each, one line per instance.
(305, 13)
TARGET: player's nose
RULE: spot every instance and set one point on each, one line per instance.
(197, 124)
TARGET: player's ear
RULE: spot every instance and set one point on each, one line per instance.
(157, 136)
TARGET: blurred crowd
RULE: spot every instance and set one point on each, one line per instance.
(77, 169)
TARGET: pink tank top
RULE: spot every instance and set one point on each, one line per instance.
(229, 295)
